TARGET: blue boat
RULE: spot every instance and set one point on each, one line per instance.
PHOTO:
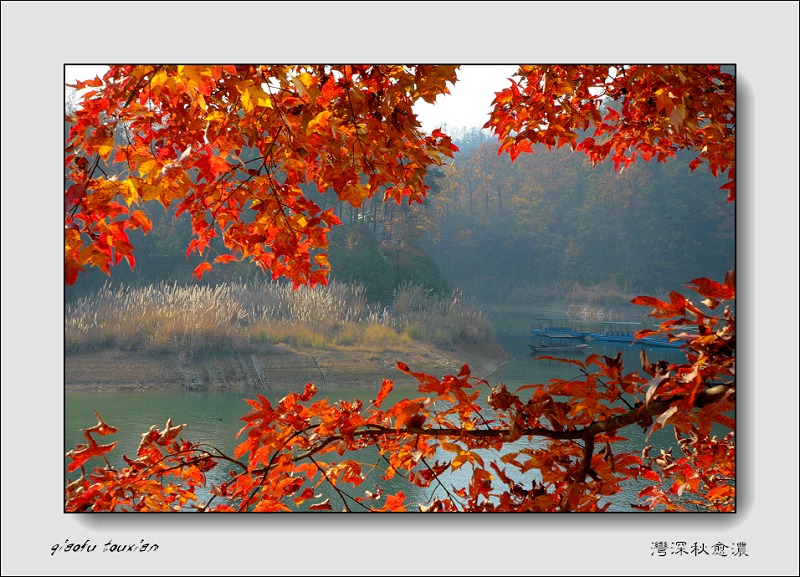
(622, 332)
(616, 332)
(555, 343)
(559, 329)
(659, 340)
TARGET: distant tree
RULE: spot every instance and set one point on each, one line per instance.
(551, 219)
(356, 257)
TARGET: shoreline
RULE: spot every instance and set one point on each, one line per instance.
(269, 366)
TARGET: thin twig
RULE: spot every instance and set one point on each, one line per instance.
(333, 485)
(439, 481)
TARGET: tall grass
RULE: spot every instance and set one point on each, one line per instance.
(192, 320)
(442, 320)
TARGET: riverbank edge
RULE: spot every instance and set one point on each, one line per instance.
(269, 367)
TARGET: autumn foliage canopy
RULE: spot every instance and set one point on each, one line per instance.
(181, 132)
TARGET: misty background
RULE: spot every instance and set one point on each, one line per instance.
(548, 228)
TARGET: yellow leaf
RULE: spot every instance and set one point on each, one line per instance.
(72, 239)
(148, 166)
(129, 191)
(319, 122)
(253, 96)
(467, 456)
(102, 145)
(302, 82)
(459, 460)
(149, 192)
(355, 193)
(159, 78)
(215, 116)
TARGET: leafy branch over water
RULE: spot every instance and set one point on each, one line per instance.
(288, 450)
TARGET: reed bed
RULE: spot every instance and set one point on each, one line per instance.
(192, 320)
(441, 320)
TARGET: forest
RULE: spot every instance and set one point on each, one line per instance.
(516, 233)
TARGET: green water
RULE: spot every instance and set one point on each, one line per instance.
(213, 417)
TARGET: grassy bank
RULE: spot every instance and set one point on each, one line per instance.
(195, 320)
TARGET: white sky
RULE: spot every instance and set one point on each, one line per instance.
(74, 72)
(469, 101)
(467, 105)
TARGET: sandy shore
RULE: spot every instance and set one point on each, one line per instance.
(268, 367)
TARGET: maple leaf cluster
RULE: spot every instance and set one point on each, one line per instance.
(636, 111)
(177, 134)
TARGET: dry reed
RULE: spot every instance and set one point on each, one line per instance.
(191, 320)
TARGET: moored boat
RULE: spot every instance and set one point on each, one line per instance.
(558, 329)
(624, 332)
(557, 342)
(616, 332)
(545, 347)
(659, 340)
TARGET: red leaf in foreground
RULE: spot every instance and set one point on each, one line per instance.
(83, 453)
(715, 290)
(650, 474)
(169, 432)
(224, 258)
(395, 503)
(101, 428)
(661, 309)
(307, 493)
(404, 411)
(200, 269)
(138, 219)
(386, 388)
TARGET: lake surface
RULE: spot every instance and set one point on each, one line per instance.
(213, 417)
